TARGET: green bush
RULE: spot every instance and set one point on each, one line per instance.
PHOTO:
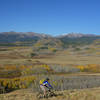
(77, 49)
(33, 54)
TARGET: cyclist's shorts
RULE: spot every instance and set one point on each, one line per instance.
(43, 88)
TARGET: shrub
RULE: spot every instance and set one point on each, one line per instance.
(16, 83)
(32, 54)
(53, 49)
(37, 69)
(64, 69)
(89, 68)
(77, 49)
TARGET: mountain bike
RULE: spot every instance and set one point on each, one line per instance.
(49, 93)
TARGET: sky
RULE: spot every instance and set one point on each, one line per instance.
(54, 17)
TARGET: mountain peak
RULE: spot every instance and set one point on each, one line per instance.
(77, 35)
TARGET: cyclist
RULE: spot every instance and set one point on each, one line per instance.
(44, 85)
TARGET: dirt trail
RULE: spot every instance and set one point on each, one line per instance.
(85, 94)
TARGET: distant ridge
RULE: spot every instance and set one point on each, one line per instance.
(30, 38)
(10, 37)
(77, 35)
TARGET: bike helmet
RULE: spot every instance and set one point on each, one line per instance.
(47, 79)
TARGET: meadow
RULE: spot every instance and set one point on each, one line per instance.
(68, 69)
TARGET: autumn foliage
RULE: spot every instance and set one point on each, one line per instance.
(16, 83)
(89, 68)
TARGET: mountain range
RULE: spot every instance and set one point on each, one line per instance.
(32, 38)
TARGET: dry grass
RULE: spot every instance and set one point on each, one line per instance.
(67, 57)
(27, 94)
(72, 58)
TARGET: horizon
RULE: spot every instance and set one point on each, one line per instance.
(52, 17)
(54, 34)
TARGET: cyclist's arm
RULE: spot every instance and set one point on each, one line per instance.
(49, 85)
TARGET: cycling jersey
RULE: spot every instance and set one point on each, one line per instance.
(46, 83)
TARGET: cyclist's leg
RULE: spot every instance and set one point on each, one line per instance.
(43, 90)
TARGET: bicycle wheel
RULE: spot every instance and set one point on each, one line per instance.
(52, 94)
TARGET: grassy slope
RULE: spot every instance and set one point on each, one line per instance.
(66, 57)
(85, 94)
(73, 58)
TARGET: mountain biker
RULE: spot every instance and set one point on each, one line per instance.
(44, 85)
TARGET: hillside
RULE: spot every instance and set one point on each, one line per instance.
(70, 61)
(78, 39)
(20, 38)
(30, 38)
(36, 44)
(10, 37)
(26, 94)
